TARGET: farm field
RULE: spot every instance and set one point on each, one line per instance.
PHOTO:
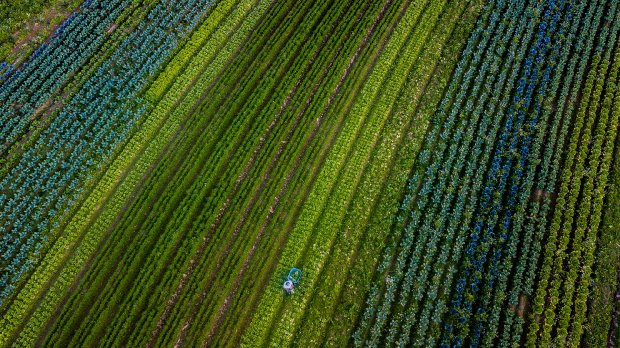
(336, 173)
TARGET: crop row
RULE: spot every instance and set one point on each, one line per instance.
(544, 181)
(333, 214)
(200, 218)
(494, 220)
(578, 222)
(239, 10)
(228, 195)
(350, 81)
(601, 324)
(308, 153)
(453, 11)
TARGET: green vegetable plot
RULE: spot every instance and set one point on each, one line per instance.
(310, 173)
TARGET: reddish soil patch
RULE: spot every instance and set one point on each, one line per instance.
(538, 195)
(522, 306)
(111, 28)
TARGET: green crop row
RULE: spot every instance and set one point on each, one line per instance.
(176, 265)
(607, 255)
(584, 270)
(559, 163)
(202, 219)
(146, 204)
(605, 137)
(565, 199)
(588, 218)
(294, 194)
(564, 228)
(351, 232)
(123, 329)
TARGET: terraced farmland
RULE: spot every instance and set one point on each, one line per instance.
(442, 173)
